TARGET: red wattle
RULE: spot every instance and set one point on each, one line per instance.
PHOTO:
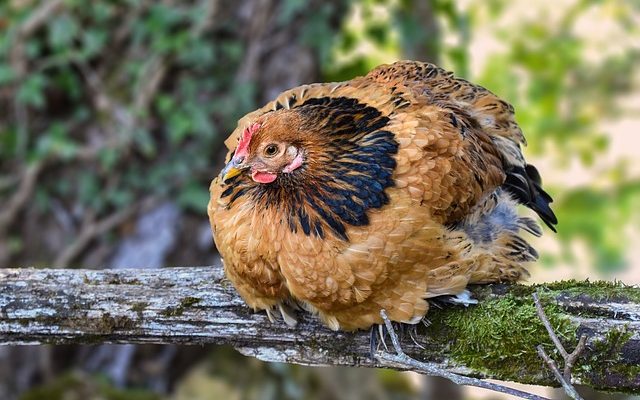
(263, 177)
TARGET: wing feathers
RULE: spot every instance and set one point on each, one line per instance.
(483, 110)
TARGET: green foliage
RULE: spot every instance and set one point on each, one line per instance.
(128, 99)
(596, 216)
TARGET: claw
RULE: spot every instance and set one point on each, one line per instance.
(272, 318)
(413, 331)
(381, 335)
(287, 315)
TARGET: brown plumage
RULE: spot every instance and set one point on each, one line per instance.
(375, 193)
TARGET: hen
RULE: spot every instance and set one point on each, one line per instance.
(375, 193)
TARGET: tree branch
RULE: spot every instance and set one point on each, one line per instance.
(400, 358)
(197, 305)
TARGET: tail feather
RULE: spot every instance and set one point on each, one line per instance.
(530, 225)
(524, 184)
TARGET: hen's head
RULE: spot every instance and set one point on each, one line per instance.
(268, 147)
(324, 163)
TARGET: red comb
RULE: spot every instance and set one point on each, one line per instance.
(243, 145)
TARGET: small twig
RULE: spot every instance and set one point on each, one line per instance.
(401, 359)
(547, 325)
(207, 20)
(43, 13)
(568, 387)
(154, 72)
(6, 182)
(569, 358)
(27, 183)
(573, 357)
(18, 60)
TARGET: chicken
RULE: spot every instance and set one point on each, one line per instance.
(375, 193)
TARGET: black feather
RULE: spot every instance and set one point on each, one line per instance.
(525, 185)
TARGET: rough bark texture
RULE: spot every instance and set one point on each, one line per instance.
(494, 339)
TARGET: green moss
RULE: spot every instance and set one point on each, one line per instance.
(119, 280)
(499, 336)
(87, 281)
(139, 308)
(225, 283)
(606, 359)
(104, 325)
(111, 279)
(597, 290)
(179, 309)
(189, 301)
(109, 323)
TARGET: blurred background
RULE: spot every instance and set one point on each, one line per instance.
(113, 113)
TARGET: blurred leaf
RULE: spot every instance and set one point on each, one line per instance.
(56, 142)
(194, 197)
(77, 386)
(31, 92)
(93, 41)
(7, 74)
(62, 30)
(145, 142)
(119, 198)
(179, 126)
(289, 9)
(108, 158)
(89, 190)
(8, 143)
(378, 32)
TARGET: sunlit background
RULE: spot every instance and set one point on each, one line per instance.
(112, 116)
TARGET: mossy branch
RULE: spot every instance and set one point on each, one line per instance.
(495, 339)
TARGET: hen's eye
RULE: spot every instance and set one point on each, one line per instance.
(271, 150)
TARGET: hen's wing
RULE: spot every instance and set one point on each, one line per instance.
(492, 138)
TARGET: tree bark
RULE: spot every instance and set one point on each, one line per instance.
(198, 305)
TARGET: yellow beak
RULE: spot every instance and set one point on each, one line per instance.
(233, 168)
(230, 173)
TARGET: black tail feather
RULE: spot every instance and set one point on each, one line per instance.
(524, 184)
